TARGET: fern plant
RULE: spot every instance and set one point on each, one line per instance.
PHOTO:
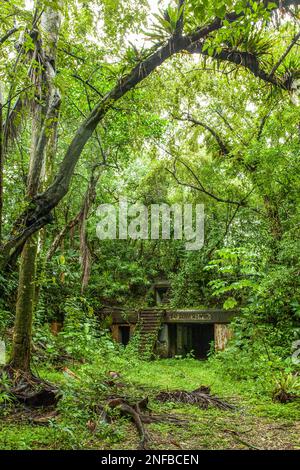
(166, 23)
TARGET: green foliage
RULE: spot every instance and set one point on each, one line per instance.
(166, 23)
(6, 399)
(147, 149)
(238, 273)
(80, 339)
(189, 284)
(80, 333)
(259, 352)
(286, 385)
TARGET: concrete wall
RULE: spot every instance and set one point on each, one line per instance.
(162, 346)
(223, 333)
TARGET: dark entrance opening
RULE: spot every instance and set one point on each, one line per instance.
(190, 337)
(124, 334)
(161, 295)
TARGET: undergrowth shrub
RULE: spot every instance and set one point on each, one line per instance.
(258, 354)
(81, 338)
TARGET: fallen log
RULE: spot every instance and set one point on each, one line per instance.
(134, 412)
(140, 413)
(200, 397)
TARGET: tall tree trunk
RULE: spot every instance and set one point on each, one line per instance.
(85, 253)
(273, 217)
(41, 135)
(80, 219)
(21, 351)
(275, 227)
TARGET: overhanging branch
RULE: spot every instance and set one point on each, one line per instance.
(8, 34)
(223, 147)
(279, 62)
(240, 59)
(37, 214)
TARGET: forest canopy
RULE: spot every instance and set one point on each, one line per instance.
(156, 102)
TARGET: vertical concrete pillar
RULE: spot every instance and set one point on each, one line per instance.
(163, 346)
(223, 333)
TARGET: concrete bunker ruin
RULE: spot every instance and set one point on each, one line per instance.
(172, 332)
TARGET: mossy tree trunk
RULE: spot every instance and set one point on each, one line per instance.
(46, 109)
(21, 351)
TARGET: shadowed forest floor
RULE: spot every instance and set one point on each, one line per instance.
(257, 423)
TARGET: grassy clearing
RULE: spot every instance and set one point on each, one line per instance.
(256, 424)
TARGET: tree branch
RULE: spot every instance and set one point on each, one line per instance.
(241, 59)
(86, 82)
(220, 142)
(294, 41)
(8, 34)
(199, 187)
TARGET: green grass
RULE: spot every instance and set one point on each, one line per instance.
(27, 437)
(256, 423)
(189, 374)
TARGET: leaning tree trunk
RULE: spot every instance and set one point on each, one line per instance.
(21, 350)
(41, 135)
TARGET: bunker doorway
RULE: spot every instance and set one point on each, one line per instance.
(124, 334)
(190, 337)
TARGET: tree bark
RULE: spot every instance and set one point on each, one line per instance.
(21, 350)
(85, 253)
(8, 34)
(274, 222)
(42, 114)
